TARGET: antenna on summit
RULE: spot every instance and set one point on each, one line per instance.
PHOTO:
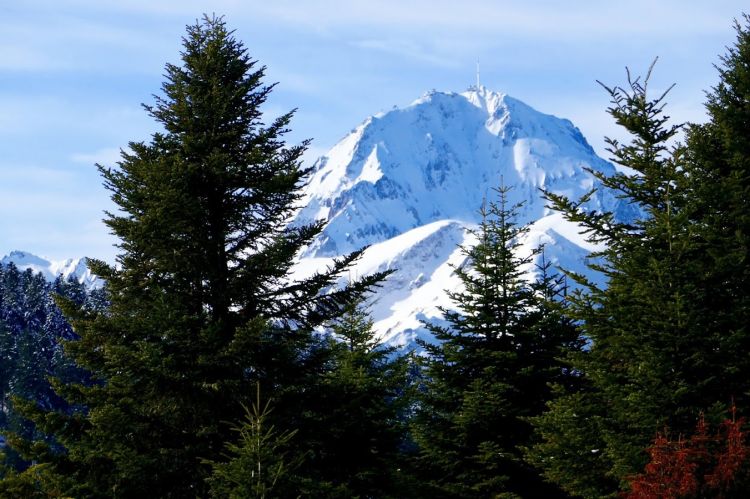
(477, 73)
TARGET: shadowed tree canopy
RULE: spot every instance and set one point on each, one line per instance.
(669, 335)
(202, 306)
(492, 367)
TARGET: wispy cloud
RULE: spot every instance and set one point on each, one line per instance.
(52, 211)
(72, 75)
(533, 18)
(15, 57)
(66, 41)
(21, 113)
(407, 49)
(106, 157)
(16, 175)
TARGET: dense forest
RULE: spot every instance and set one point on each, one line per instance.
(200, 369)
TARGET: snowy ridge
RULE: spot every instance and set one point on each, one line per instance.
(409, 183)
(50, 269)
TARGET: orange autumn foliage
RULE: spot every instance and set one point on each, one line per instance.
(703, 465)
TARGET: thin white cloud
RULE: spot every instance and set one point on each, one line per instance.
(538, 17)
(407, 49)
(534, 18)
(15, 175)
(42, 117)
(337, 61)
(24, 206)
(71, 41)
(22, 113)
(16, 57)
(108, 156)
(52, 211)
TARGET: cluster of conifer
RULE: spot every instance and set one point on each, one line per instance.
(31, 327)
(211, 373)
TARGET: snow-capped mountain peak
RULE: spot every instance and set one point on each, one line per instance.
(409, 183)
(438, 158)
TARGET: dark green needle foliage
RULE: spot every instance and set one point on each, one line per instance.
(349, 432)
(201, 309)
(366, 398)
(258, 466)
(31, 328)
(657, 355)
(491, 368)
(719, 161)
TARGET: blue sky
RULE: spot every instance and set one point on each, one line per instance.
(73, 74)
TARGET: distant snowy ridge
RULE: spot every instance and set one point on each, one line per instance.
(410, 182)
(51, 269)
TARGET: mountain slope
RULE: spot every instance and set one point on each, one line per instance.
(410, 182)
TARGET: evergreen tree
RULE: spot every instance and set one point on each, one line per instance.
(364, 400)
(348, 433)
(201, 307)
(31, 327)
(491, 368)
(718, 160)
(7, 368)
(258, 466)
(650, 360)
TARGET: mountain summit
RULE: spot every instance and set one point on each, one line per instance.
(437, 159)
(409, 182)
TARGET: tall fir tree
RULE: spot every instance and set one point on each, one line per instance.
(654, 350)
(201, 306)
(491, 368)
(718, 159)
(352, 424)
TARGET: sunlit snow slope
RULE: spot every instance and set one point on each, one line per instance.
(409, 183)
